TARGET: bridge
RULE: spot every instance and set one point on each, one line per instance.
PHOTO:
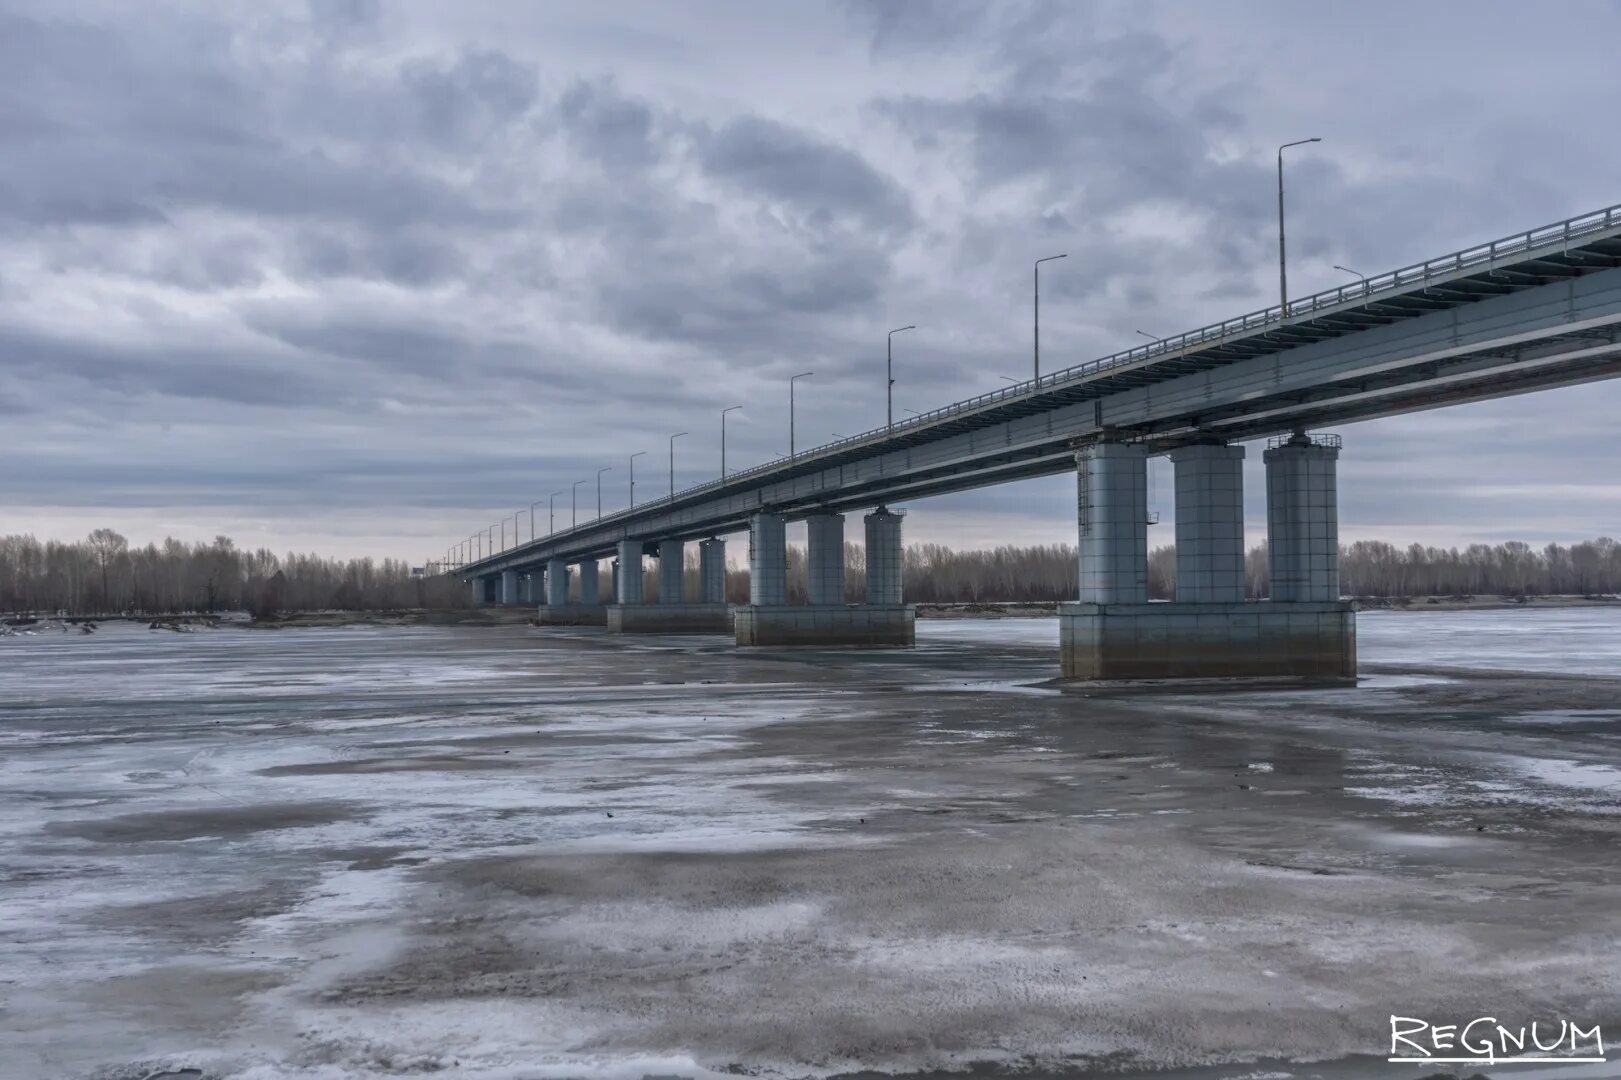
(1530, 311)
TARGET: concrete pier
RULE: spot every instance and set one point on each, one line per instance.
(1302, 519)
(885, 558)
(628, 579)
(1303, 632)
(509, 588)
(671, 615)
(556, 583)
(479, 589)
(590, 594)
(712, 571)
(1112, 510)
(672, 572)
(824, 560)
(768, 560)
(1209, 524)
(827, 619)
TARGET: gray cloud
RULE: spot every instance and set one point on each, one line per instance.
(821, 181)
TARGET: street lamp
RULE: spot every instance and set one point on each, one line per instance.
(609, 468)
(532, 519)
(1359, 276)
(574, 505)
(1150, 337)
(1036, 328)
(723, 413)
(673, 438)
(551, 512)
(889, 375)
(914, 412)
(633, 458)
(515, 518)
(1283, 269)
(1009, 378)
(791, 381)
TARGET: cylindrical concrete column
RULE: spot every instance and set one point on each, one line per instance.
(884, 557)
(824, 559)
(672, 571)
(1112, 508)
(588, 583)
(1302, 520)
(556, 583)
(712, 571)
(509, 587)
(768, 560)
(1209, 524)
(478, 591)
(629, 589)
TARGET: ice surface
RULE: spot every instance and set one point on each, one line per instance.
(511, 853)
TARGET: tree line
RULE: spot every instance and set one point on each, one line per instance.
(104, 574)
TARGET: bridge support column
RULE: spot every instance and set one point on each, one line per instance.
(1210, 632)
(672, 571)
(824, 560)
(509, 588)
(827, 619)
(712, 571)
(1302, 520)
(1209, 524)
(480, 591)
(768, 560)
(629, 581)
(590, 594)
(1112, 509)
(556, 583)
(885, 558)
(672, 614)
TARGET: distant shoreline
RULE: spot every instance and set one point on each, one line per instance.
(518, 616)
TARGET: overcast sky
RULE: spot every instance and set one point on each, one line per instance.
(362, 276)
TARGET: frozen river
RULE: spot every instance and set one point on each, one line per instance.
(508, 853)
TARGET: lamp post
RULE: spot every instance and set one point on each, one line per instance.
(673, 438)
(723, 413)
(1356, 274)
(791, 381)
(503, 546)
(633, 458)
(551, 512)
(515, 518)
(1009, 378)
(609, 468)
(574, 505)
(889, 376)
(1150, 337)
(1036, 312)
(532, 519)
(1283, 268)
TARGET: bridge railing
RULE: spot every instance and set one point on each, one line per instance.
(1408, 277)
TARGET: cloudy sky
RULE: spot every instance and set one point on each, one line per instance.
(362, 276)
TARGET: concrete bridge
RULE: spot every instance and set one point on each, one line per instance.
(1535, 310)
